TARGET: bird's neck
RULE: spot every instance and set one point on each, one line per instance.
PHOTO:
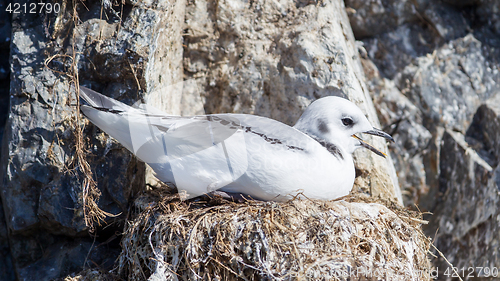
(334, 149)
(337, 145)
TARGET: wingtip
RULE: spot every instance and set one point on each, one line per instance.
(97, 100)
(88, 96)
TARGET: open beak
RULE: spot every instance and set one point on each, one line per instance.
(375, 132)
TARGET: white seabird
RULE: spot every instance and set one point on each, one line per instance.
(239, 153)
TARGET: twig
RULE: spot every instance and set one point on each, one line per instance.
(449, 263)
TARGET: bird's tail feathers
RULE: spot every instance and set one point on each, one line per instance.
(99, 101)
(133, 127)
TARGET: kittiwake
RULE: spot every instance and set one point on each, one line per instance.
(239, 153)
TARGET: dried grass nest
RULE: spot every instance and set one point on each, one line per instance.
(356, 238)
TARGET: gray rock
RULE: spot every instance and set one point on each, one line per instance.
(449, 85)
(483, 134)
(41, 182)
(6, 263)
(425, 27)
(467, 194)
(396, 32)
(25, 164)
(445, 20)
(488, 16)
(5, 32)
(59, 256)
(435, 84)
(403, 121)
(369, 18)
(40, 144)
(394, 50)
(142, 54)
(466, 211)
(461, 3)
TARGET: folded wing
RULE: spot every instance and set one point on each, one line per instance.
(176, 146)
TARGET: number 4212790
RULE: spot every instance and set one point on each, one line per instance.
(33, 8)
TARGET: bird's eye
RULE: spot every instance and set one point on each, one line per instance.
(347, 121)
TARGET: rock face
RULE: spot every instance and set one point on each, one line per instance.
(378, 17)
(431, 67)
(5, 31)
(121, 52)
(469, 191)
(435, 78)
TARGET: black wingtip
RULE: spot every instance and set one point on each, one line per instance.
(89, 97)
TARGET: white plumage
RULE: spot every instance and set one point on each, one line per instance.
(240, 153)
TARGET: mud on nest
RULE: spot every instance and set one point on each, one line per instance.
(356, 238)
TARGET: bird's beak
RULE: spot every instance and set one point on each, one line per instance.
(379, 133)
(375, 132)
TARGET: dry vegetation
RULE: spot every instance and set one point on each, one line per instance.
(215, 239)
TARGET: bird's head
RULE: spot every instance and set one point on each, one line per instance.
(337, 120)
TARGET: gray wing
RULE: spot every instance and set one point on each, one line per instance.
(151, 134)
(198, 154)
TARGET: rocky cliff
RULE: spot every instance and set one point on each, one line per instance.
(428, 70)
(433, 69)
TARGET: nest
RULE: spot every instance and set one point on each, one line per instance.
(214, 239)
(90, 275)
